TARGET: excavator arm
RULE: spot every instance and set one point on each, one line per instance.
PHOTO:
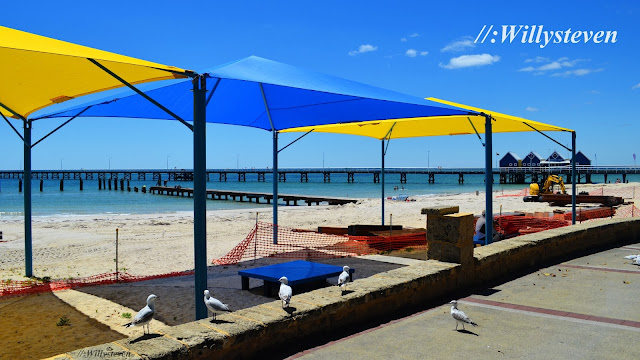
(552, 180)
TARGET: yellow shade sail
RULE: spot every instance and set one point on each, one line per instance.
(504, 122)
(36, 71)
(432, 126)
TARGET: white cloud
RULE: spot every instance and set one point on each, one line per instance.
(537, 60)
(459, 45)
(549, 66)
(363, 49)
(532, 109)
(636, 86)
(577, 72)
(470, 61)
(413, 53)
(404, 38)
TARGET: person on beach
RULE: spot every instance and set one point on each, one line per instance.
(481, 228)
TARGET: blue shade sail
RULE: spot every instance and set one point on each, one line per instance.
(295, 98)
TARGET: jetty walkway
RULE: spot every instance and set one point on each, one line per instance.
(513, 175)
(252, 196)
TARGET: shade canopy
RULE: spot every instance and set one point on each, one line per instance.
(37, 71)
(435, 125)
(239, 93)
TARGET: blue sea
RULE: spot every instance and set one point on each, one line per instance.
(72, 201)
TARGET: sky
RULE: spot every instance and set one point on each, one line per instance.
(420, 48)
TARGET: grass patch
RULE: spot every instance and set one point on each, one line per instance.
(64, 321)
(126, 315)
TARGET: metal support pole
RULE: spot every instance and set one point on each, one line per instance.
(382, 181)
(573, 178)
(200, 192)
(276, 179)
(488, 179)
(28, 252)
(117, 272)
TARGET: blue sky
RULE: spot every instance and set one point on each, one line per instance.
(415, 47)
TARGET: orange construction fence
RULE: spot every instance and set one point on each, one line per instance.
(523, 193)
(34, 286)
(305, 244)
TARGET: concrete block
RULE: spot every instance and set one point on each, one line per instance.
(454, 228)
(440, 210)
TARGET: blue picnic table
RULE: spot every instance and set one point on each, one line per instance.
(297, 272)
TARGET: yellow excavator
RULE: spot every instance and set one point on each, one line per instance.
(544, 192)
(535, 192)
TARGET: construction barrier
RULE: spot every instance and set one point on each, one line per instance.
(513, 225)
(40, 285)
(522, 193)
(305, 244)
(628, 192)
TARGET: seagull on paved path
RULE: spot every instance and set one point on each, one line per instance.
(216, 306)
(460, 316)
(343, 278)
(145, 315)
(285, 292)
(635, 258)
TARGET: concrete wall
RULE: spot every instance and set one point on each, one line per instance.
(247, 332)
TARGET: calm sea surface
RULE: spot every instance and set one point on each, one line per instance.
(72, 201)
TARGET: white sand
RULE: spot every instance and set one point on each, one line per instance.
(75, 246)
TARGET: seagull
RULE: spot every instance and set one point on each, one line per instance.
(459, 315)
(215, 305)
(145, 315)
(285, 292)
(632, 257)
(343, 278)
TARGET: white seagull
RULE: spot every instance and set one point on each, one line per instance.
(343, 278)
(216, 306)
(145, 315)
(632, 257)
(460, 316)
(285, 292)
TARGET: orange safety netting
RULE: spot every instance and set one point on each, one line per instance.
(514, 225)
(33, 286)
(628, 192)
(626, 211)
(524, 192)
(305, 244)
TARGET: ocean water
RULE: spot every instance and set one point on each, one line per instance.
(72, 201)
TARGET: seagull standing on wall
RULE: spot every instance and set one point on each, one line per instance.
(285, 292)
(144, 316)
(460, 316)
(216, 306)
(343, 279)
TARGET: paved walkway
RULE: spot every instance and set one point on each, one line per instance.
(586, 308)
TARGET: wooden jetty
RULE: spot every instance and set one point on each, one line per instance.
(248, 196)
(515, 175)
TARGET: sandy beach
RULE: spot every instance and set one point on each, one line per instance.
(79, 246)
